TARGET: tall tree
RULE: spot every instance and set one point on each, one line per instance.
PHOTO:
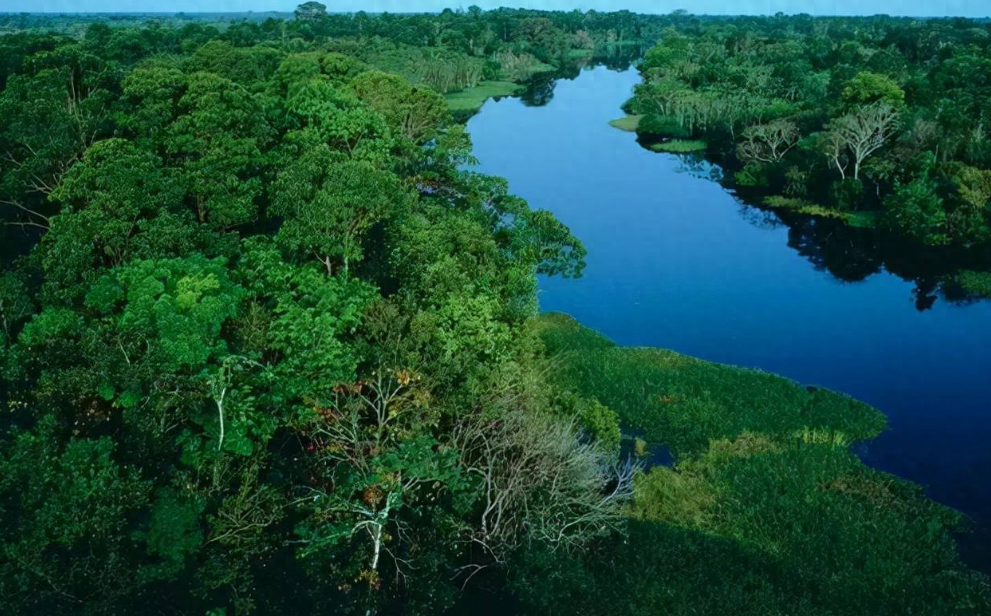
(863, 132)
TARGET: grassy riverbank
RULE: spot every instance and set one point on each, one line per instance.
(860, 220)
(628, 123)
(766, 509)
(472, 99)
(680, 146)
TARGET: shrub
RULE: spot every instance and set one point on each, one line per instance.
(846, 194)
(753, 174)
(661, 126)
(975, 283)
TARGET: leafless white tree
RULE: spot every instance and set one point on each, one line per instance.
(769, 142)
(538, 480)
(861, 133)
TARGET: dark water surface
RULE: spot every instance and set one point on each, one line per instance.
(676, 261)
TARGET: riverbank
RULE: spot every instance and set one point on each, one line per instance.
(765, 476)
(470, 100)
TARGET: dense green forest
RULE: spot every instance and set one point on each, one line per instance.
(877, 122)
(270, 345)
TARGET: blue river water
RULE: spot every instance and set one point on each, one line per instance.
(677, 261)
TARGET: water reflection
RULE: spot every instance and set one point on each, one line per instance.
(851, 254)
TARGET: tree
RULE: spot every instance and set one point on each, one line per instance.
(117, 187)
(538, 483)
(339, 119)
(338, 204)
(15, 306)
(160, 317)
(117, 203)
(66, 546)
(51, 117)
(866, 88)
(861, 133)
(768, 143)
(217, 141)
(309, 318)
(153, 96)
(917, 211)
(970, 220)
(417, 113)
(834, 146)
(310, 11)
(379, 464)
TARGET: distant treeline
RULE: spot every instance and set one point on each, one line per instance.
(877, 121)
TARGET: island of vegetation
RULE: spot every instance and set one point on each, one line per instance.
(877, 122)
(268, 345)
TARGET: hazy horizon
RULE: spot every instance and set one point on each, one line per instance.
(912, 8)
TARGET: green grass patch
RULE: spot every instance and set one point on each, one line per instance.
(680, 146)
(975, 283)
(861, 220)
(766, 510)
(685, 402)
(803, 207)
(472, 99)
(629, 123)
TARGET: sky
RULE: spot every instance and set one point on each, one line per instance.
(941, 8)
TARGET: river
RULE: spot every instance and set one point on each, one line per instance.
(677, 261)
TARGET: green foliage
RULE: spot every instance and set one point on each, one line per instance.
(976, 283)
(218, 136)
(118, 203)
(846, 194)
(753, 174)
(309, 317)
(344, 201)
(180, 304)
(680, 146)
(764, 485)
(662, 126)
(867, 87)
(173, 533)
(243, 65)
(15, 305)
(917, 210)
(684, 402)
(973, 208)
(418, 113)
(310, 11)
(67, 508)
(336, 117)
(597, 421)
(862, 220)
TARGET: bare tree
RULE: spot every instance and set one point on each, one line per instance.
(862, 133)
(769, 142)
(834, 147)
(538, 481)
